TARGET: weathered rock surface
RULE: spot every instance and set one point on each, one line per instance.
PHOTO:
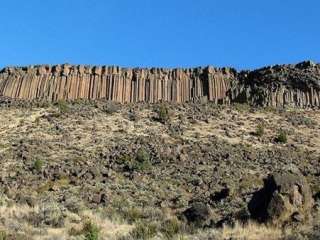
(295, 85)
(116, 84)
(198, 214)
(281, 85)
(286, 197)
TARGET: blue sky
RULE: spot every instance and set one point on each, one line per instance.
(169, 33)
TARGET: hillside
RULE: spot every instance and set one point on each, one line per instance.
(73, 170)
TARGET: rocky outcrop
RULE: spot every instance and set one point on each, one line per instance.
(198, 214)
(281, 85)
(294, 85)
(285, 198)
(116, 84)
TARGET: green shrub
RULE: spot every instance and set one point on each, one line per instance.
(142, 159)
(282, 137)
(170, 228)
(163, 114)
(3, 235)
(62, 106)
(241, 107)
(144, 231)
(297, 119)
(260, 130)
(143, 155)
(91, 231)
(74, 204)
(38, 164)
(125, 159)
(110, 108)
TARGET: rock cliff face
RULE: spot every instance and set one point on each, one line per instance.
(114, 83)
(297, 85)
(281, 85)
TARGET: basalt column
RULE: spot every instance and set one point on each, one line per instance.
(281, 85)
(113, 83)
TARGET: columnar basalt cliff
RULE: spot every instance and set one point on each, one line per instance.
(116, 84)
(296, 85)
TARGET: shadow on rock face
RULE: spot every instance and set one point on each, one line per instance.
(220, 195)
(258, 206)
(286, 197)
(317, 196)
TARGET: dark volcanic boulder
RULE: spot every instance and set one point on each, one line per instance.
(286, 197)
(199, 214)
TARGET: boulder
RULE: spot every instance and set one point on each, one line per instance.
(220, 195)
(285, 197)
(198, 214)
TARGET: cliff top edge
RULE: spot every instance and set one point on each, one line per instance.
(303, 64)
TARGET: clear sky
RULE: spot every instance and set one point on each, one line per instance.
(169, 33)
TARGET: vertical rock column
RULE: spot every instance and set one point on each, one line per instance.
(116, 84)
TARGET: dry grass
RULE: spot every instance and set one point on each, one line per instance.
(251, 231)
(239, 127)
(109, 230)
(17, 221)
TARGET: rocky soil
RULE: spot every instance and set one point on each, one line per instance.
(82, 170)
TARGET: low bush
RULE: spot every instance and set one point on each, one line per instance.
(144, 231)
(3, 235)
(139, 162)
(132, 214)
(260, 130)
(143, 155)
(62, 106)
(282, 137)
(163, 114)
(111, 107)
(299, 120)
(241, 107)
(91, 231)
(38, 164)
(170, 228)
(142, 159)
(49, 213)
